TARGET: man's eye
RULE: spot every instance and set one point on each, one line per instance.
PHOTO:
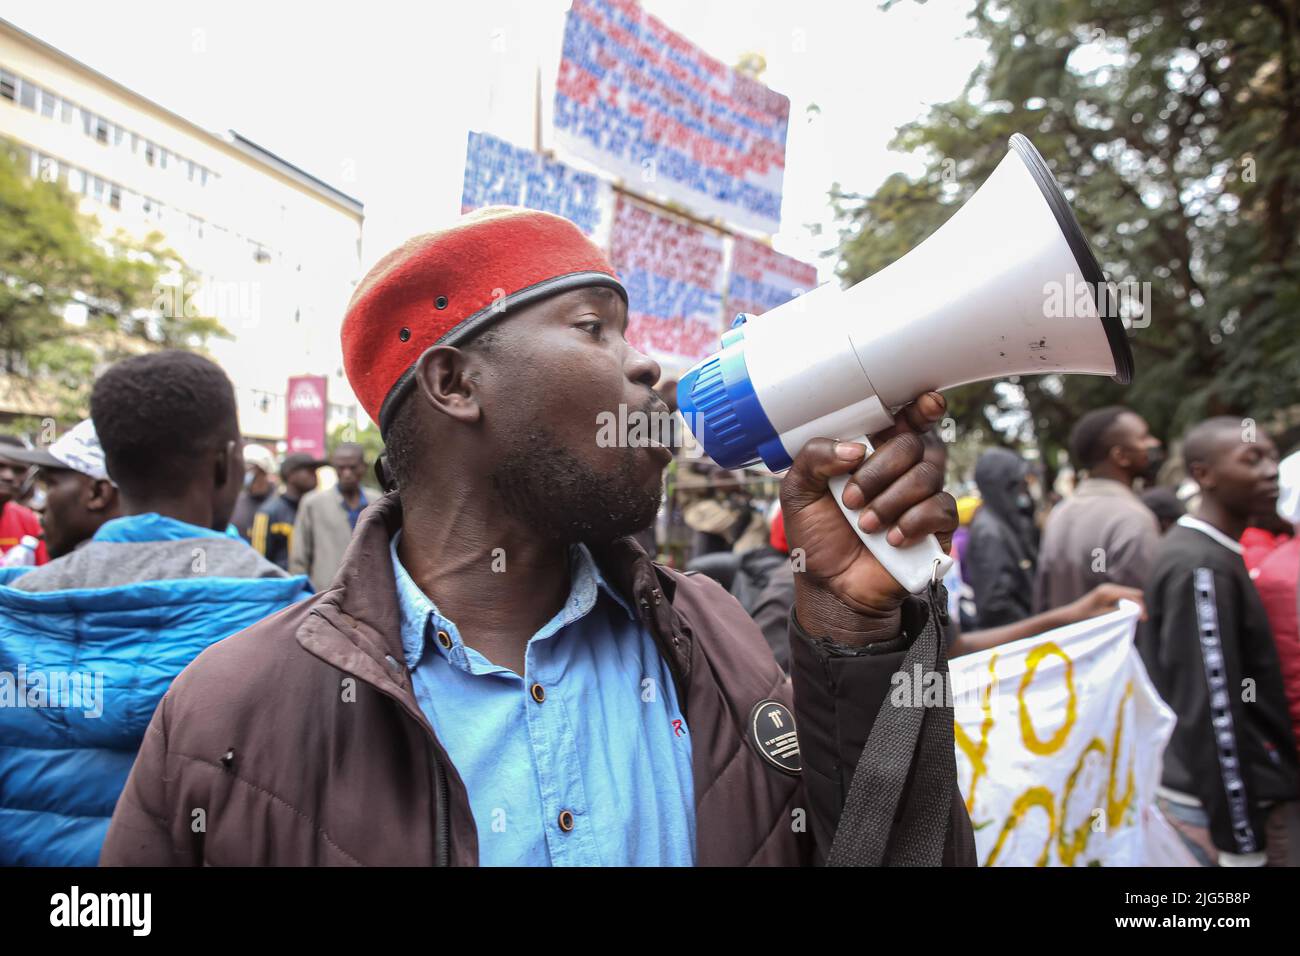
(593, 327)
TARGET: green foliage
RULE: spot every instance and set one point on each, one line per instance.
(367, 437)
(51, 257)
(1175, 130)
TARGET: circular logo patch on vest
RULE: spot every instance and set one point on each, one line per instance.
(772, 726)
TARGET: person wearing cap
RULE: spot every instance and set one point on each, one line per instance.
(79, 496)
(272, 534)
(16, 520)
(259, 488)
(499, 675)
(106, 627)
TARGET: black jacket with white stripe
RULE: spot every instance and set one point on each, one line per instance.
(1210, 653)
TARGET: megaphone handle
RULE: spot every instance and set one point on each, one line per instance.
(913, 566)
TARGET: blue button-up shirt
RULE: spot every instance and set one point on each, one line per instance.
(353, 513)
(608, 742)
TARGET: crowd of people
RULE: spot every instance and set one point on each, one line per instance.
(480, 663)
(1220, 589)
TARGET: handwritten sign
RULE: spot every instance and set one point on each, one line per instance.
(640, 100)
(500, 173)
(674, 276)
(1059, 745)
(762, 278)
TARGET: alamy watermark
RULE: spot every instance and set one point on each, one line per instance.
(54, 690)
(1128, 300)
(637, 428)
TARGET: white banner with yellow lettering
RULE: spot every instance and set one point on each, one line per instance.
(1059, 742)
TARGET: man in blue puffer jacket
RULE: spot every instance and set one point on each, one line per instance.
(90, 642)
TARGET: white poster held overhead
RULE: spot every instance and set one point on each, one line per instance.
(1059, 742)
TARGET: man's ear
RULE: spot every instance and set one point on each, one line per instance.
(447, 379)
(382, 475)
(1199, 472)
(101, 495)
(228, 457)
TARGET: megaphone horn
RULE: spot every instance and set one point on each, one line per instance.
(995, 291)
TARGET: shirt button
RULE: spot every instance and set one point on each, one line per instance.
(538, 692)
(445, 640)
(566, 821)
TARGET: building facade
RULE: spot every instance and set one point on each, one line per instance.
(275, 252)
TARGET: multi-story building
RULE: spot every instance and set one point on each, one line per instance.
(275, 250)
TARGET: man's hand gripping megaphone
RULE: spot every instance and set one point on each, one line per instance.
(843, 592)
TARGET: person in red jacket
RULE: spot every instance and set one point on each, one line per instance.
(16, 521)
(1278, 581)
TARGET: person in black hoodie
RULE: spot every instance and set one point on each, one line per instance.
(1230, 770)
(1003, 549)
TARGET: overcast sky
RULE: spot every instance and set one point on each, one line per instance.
(377, 98)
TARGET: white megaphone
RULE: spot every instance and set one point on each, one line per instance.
(996, 291)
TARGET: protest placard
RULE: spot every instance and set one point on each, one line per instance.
(762, 278)
(500, 173)
(1059, 743)
(673, 272)
(641, 101)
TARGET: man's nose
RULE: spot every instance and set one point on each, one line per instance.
(642, 368)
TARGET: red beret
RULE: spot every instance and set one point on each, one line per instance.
(443, 288)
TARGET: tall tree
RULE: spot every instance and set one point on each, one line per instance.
(1174, 127)
(52, 256)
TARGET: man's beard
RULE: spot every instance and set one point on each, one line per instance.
(562, 498)
(1151, 473)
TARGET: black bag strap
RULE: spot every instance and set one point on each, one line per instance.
(885, 821)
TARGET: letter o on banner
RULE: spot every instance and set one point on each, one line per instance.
(1027, 732)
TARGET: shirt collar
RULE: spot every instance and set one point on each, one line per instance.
(1104, 488)
(416, 610)
(1196, 524)
(152, 526)
(361, 498)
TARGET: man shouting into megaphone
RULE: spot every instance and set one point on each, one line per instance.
(499, 675)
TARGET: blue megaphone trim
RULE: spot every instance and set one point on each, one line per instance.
(718, 401)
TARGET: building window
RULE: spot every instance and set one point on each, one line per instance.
(65, 111)
(162, 158)
(8, 86)
(48, 102)
(101, 131)
(115, 197)
(150, 153)
(151, 208)
(27, 95)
